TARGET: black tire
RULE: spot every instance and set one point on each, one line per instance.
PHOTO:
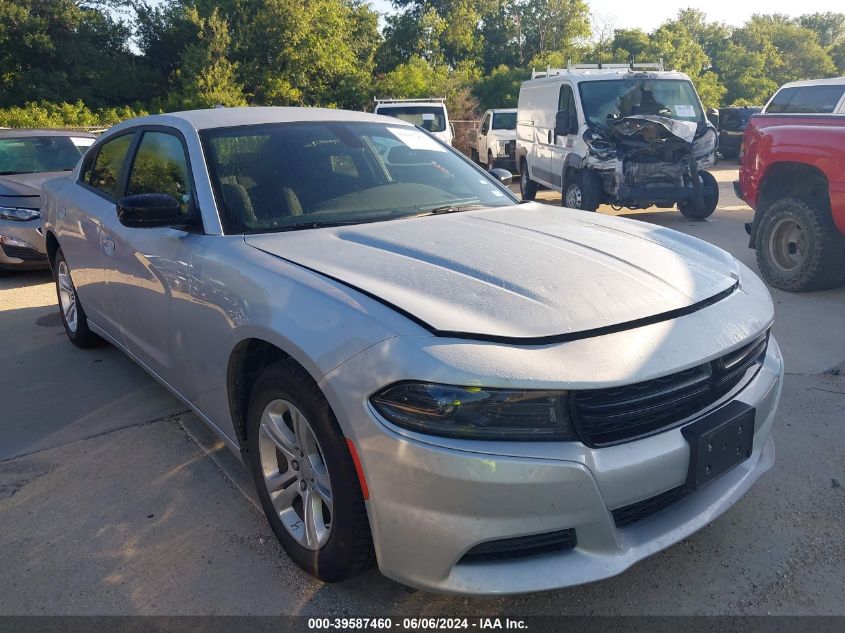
(473, 156)
(5, 272)
(818, 259)
(582, 190)
(711, 200)
(77, 331)
(527, 187)
(349, 548)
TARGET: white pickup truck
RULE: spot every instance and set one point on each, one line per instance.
(495, 142)
(429, 114)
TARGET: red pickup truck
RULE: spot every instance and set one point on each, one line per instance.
(792, 173)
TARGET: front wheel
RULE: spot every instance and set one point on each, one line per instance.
(527, 187)
(305, 476)
(711, 199)
(73, 315)
(798, 247)
(581, 190)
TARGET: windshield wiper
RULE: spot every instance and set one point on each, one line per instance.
(307, 225)
(450, 208)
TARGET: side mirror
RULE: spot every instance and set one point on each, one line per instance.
(503, 175)
(150, 210)
(565, 123)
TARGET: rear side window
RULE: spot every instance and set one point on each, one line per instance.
(160, 166)
(806, 100)
(105, 175)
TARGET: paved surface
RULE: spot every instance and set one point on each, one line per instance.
(113, 501)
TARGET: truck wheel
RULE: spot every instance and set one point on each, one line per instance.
(711, 200)
(473, 156)
(798, 247)
(527, 187)
(582, 190)
(490, 163)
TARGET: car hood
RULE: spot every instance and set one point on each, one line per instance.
(25, 189)
(503, 135)
(524, 272)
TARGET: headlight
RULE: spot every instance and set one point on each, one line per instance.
(14, 213)
(476, 412)
(706, 144)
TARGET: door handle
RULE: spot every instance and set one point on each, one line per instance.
(108, 245)
(550, 137)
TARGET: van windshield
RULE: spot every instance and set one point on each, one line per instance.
(609, 100)
(432, 118)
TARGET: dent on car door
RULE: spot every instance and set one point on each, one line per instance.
(149, 269)
(80, 219)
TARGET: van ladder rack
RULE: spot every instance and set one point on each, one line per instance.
(585, 68)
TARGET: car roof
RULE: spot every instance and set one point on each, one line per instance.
(500, 110)
(833, 81)
(28, 132)
(232, 117)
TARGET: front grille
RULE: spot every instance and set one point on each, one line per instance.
(645, 508)
(510, 148)
(531, 545)
(619, 414)
(21, 252)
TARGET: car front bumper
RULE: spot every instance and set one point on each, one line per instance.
(430, 504)
(31, 255)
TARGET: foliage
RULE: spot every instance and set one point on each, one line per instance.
(56, 55)
(73, 115)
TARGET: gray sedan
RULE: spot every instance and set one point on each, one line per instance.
(29, 158)
(480, 396)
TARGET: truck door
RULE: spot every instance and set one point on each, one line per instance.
(564, 140)
(482, 138)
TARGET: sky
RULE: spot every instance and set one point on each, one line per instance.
(628, 14)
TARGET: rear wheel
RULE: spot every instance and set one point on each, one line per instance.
(305, 477)
(711, 199)
(73, 315)
(799, 248)
(527, 187)
(581, 190)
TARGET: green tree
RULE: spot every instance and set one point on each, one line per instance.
(829, 27)
(500, 89)
(206, 76)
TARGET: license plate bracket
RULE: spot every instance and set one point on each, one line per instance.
(718, 442)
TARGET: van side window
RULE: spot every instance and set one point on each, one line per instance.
(566, 100)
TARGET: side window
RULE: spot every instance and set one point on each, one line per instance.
(566, 101)
(160, 166)
(105, 174)
(87, 166)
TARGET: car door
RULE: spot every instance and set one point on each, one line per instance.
(80, 221)
(563, 143)
(149, 269)
(482, 138)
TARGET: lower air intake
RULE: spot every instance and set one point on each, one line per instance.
(532, 545)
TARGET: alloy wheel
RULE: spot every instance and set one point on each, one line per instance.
(295, 473)
(573, 197)
(67, 297)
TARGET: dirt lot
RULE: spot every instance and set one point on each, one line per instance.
(114, 500)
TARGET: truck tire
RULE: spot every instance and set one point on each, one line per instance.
(711, 201)
(473, 156)
(582, 190)
(490, 161)
(527, 187)
(799, 248)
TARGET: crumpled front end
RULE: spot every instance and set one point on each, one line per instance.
(650, 160)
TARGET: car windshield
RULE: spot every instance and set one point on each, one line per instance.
(289, 176)
(36, 154)
(610, 100)
(504, 120)
(432, 118)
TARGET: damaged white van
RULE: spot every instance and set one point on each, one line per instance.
(627, 135)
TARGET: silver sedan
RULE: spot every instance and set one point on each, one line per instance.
(29, 158)
(480, 396)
